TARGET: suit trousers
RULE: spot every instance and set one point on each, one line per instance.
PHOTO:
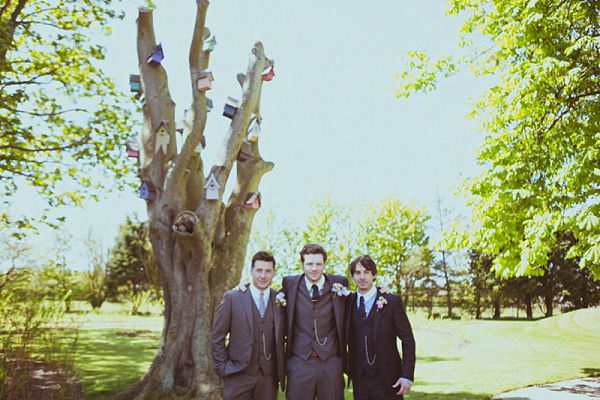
(315, 377)
(242, 386)
(366, 387)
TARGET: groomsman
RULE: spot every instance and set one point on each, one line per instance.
(315, 347)
(252, 362)
(374, 321)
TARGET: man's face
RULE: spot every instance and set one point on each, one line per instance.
(262, 274)
(313, 266)
(363, 278)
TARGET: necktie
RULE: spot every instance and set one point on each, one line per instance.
(261, 302)
(361, 308)
(315, 292)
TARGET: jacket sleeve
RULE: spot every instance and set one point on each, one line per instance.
(405, 333)
(221, 327)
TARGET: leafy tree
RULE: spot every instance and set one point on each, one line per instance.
(199, 242)
(131, 267)
(391, 232)
(329, 225)
(56, 280)
(61, 117)
(541, 124)
(95, 278)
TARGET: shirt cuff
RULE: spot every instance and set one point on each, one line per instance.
(407, 380)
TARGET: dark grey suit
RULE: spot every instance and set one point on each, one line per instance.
(245, 362)
(315, 342)
(380, 365)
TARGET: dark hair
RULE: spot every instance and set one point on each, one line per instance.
(313, 249)
(263, 256)
(366, 261)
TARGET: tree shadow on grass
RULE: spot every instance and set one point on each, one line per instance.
(436, 359)
(591, 371)
(108, 361)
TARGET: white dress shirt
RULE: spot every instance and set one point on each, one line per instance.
(369, 299)
(256, 296)
(319, 284)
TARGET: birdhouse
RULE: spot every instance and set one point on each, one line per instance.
(209, 43)
(201, 146)
(212, 188)
(134, 83)
(209, 105)
(253, 131)
(132, 147)
(231, 106)
(253, 201)
(268, 74)
(162, 138)
(142, 98)
(147, 191)
(205, 80)
(156, 56)
(245, 151)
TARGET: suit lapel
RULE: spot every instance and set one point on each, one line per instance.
(351, 303)
(292, 299)
(248, 300)
(275, 314)
(377, 315)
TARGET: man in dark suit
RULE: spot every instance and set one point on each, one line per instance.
(252, 362)
(374, 321)
(315, 316)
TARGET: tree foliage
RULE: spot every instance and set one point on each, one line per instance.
(541, 125)
(393, 234)
(61, 117)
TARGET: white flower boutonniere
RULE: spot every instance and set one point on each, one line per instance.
(381, 301)
(280, 299)
(340, 289)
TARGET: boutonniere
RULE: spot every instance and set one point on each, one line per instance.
(280, 299)
(340, 289)
(381, 301)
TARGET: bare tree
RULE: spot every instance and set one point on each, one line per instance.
(199, 244)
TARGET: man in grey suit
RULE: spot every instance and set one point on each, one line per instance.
(252, 362)
(315, 316)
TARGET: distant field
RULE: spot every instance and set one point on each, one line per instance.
(456, 360)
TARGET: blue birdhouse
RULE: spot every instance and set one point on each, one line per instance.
(134, 83)
(147, 191)
(156, 56)
(231, 107)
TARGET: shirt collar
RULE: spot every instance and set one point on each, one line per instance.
(367, 295)
(256, 292)
(319, 284)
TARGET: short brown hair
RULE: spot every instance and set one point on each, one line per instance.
(313, 249)
(366, 261)
(263, 256)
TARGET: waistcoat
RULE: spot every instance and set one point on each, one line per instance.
(263, 350)
(314, 324)
(364, 328)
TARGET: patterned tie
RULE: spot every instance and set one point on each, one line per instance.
(315, 292)
(361, 308)
(261, 302)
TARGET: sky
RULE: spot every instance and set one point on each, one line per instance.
(331, 124)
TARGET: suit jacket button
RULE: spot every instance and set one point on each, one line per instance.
(251, 344)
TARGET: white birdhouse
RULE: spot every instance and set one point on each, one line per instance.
(209, 43)
(161, 140)
(253, 131)
(212, 188)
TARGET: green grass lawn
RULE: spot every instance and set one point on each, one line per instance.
(456, 360)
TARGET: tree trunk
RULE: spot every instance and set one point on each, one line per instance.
(199, 245)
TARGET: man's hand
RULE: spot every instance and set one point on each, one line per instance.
(242, 287)
(404, 386)
(385, 289)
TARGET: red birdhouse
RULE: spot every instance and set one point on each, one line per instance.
(205, 80)
(253, 201)
(132, 147)
(268, 74)
(156, 56)
(245, 152)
